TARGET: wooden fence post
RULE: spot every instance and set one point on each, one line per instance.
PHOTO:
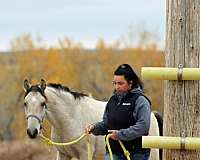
(182, 98)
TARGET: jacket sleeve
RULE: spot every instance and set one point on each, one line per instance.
(142, 114)
(101, 128)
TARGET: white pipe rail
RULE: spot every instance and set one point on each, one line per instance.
(188, 143)
(163, 73)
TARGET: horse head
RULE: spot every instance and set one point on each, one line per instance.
(34, 106)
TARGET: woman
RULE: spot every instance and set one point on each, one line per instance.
(126, 117)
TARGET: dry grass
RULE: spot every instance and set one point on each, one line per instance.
(26, 150)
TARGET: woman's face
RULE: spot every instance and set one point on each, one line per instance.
(121, 84)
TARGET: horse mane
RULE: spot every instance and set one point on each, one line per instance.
(77, 95)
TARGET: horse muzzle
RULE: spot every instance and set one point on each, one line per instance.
(32, 133)
(34, 126)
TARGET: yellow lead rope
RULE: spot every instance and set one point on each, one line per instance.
(50, 142)
(126, 152)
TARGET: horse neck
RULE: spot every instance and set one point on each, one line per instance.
(60, 107)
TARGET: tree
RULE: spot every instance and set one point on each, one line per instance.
(23, 42)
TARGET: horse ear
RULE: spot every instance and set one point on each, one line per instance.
(27, 85)
(43, 84)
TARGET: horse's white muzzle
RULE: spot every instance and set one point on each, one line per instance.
(34, 127)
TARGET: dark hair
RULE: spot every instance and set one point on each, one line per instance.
(129, 74)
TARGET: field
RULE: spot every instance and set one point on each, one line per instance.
(26, 150)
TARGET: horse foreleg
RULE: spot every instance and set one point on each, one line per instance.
(61, 156)
(84, 154)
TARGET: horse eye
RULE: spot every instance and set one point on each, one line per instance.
(25, 104)
(43, 104)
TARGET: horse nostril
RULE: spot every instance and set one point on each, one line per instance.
(32, 133)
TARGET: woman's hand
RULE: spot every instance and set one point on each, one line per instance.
(113, 134)
(89, 128)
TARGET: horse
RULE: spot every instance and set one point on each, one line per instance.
(68, 112)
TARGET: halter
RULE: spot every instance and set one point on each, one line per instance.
(36, 117)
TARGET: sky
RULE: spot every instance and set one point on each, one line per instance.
(83, 21)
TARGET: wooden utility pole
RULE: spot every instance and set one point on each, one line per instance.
(182, 98)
